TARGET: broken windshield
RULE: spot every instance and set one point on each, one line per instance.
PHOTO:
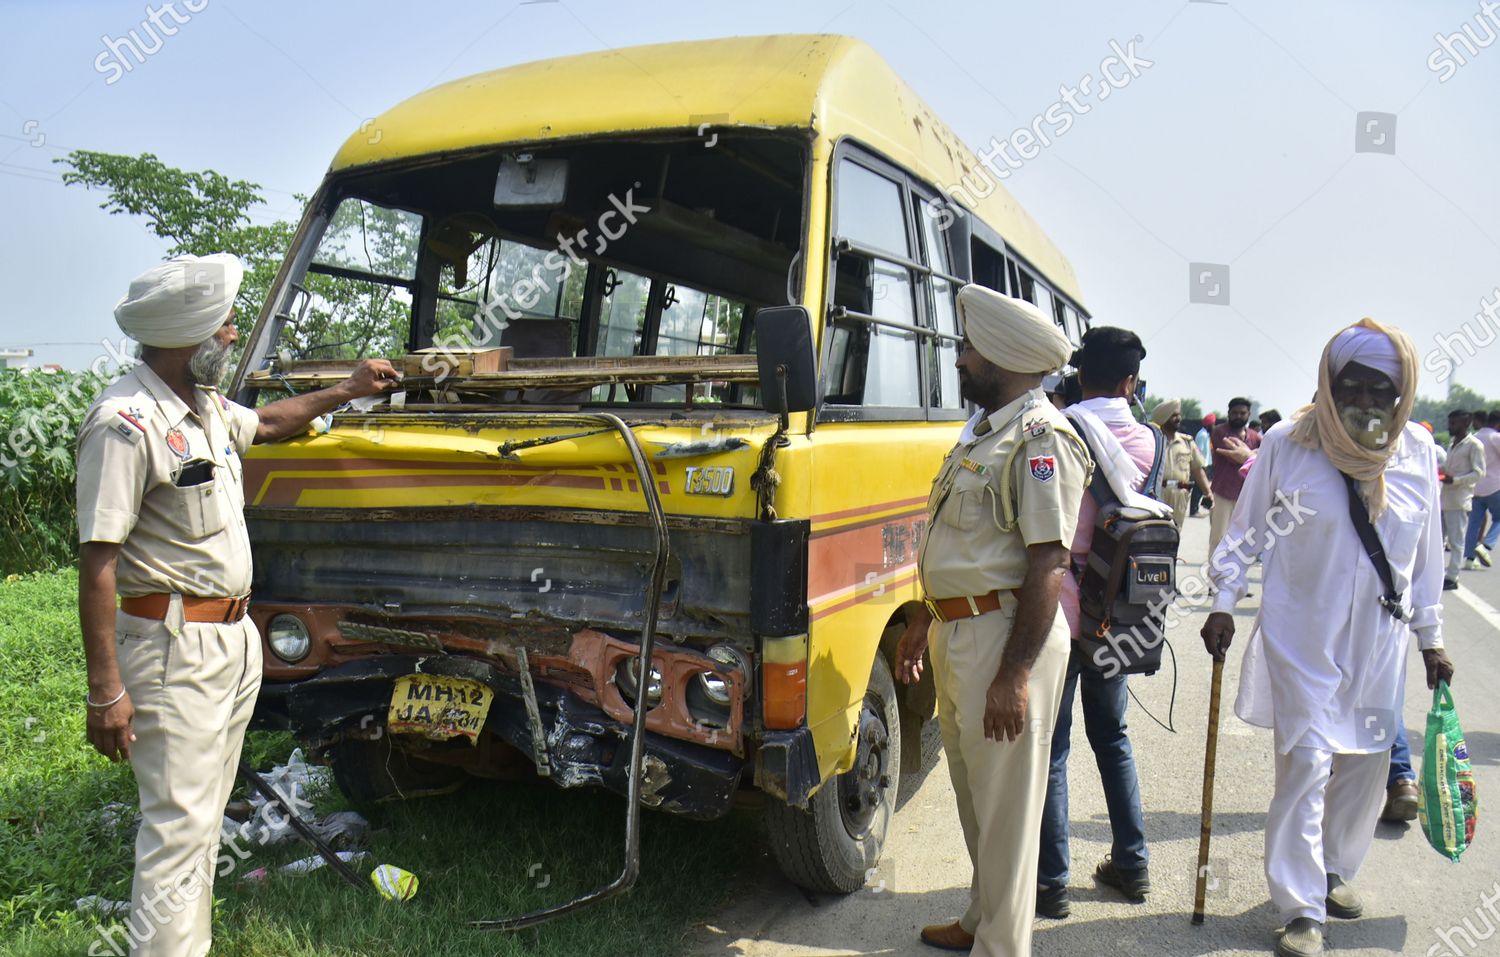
(601, 273)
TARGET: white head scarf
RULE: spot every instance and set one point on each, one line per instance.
(1011, 333)
(180, 302)
(1367, 347)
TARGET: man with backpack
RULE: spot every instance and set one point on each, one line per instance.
(1125, 454)
(1343, 507)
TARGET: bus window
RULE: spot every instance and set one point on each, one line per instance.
(943, 379)
(873, 363)
(359, 284)
(1043, 298)
(695, 323)
(501, 283)
(622, 313)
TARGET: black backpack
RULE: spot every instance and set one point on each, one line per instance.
(1128, 581)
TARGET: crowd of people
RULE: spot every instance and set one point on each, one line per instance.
(1003, 631)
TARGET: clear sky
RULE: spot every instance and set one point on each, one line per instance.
(1235, 147)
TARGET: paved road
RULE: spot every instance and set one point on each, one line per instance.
(1411, 893)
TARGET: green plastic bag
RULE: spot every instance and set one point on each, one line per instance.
(1448, 807)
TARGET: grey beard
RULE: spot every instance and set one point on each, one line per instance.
(1368, 427)
(209, 363)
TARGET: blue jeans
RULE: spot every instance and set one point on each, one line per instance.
(1104, 701)
(1482, 504)
(1400, 756)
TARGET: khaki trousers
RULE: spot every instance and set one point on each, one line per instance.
(1218, 522)
(193, 693)
(1178, 498)
(1001, 787)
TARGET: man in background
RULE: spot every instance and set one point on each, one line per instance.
(1182, 468)
(1486, 494)
(1465, 467)
(1226, 481)
(1205, 455)
(1109, 366)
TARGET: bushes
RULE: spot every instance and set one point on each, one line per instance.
(39, 417)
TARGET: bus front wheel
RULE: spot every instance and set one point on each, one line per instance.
(833, 845)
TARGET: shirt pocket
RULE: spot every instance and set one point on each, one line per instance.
(967, 502)
(1401, 536)
(202, 509)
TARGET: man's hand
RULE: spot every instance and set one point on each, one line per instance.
(1439, 668)
(910, 649)
(1005, 705)
(111, 729)
(1234, 449)
(372, 377)
(1206, 500)
(1218, 633)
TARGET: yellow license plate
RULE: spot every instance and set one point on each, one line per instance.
(438, 707)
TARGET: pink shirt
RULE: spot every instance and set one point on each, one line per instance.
(1140, 444)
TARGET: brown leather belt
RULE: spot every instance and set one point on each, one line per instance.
(953, 609)
(224, 610)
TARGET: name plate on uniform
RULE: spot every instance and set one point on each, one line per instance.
(438, 707)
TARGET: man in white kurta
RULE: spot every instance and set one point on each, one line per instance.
(1325, 664)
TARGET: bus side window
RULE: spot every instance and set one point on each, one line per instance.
(942, 374)
(872, 364)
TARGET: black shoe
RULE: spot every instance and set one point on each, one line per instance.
(1450, 585)
(1052, 902)
(1134, 886)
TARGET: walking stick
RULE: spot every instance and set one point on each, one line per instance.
(1206, 824)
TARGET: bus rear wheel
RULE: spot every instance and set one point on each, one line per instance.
(832, 846)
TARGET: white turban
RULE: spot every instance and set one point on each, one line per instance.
(1367, 347)
(1011, 333)
(181, 302)
(1166, 410)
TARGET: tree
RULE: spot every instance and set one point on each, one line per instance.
(197, 213)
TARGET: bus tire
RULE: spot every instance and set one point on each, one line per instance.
(369, 771)
(832, 846)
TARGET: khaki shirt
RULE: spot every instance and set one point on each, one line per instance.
(132, 449)
(1181, 453)
(1466, 465)
(1018, 483)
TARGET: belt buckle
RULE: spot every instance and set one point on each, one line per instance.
(236, 610)
(973, 606)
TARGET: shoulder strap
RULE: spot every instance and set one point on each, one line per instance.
(1098, 486)
(1153, 477)
(1391, 601)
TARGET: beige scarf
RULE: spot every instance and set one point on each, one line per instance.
(1318, 426)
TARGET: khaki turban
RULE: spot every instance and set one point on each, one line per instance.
(181, 302)
(1318, 426)
(1165, 411)
(1011, 333)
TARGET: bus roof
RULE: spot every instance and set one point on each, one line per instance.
(832, 85)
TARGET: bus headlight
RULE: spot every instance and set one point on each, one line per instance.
(288, 638)
(626, 679)
(716, 688)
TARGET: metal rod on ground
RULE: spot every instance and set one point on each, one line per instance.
(1207, 820)
(300, 826)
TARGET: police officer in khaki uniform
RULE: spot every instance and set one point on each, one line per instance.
(1000, 517)
(1182, 466)
(173, 672)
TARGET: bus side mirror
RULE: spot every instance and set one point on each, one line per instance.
(788, 372)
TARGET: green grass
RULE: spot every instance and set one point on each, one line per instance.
(474, 851)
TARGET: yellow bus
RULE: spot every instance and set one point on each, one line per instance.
(678, 330)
